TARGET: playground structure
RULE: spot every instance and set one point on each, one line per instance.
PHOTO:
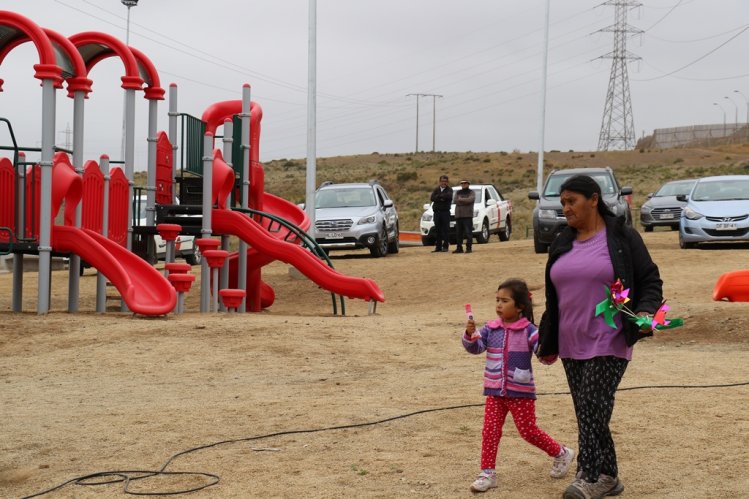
(98, 223)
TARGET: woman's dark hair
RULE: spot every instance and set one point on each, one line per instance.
(583, 184)
(520, 295)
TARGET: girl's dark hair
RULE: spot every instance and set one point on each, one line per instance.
(583, 184)
(520, 295)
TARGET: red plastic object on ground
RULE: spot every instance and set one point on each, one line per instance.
(215, 258)
(232, 298)
(181, 282)
(169, 232)
(178, 267)
(732, 286)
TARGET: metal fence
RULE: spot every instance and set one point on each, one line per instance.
(696, 136)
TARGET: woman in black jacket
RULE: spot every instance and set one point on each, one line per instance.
(587, 257)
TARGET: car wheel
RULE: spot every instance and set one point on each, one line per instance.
(427, 241)
(395, 245)
(540, 247)
(380, 248)
(504, 235)
(194, 258)
(483, 236)
(685, 245)
(648, 228)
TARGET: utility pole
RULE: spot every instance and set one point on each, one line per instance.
(434, 117)
(68, 135)
(617, 126)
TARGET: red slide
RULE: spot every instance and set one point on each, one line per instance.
(142, 287)
(237, 224)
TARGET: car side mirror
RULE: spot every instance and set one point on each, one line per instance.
(650, 195)
(491, 202)
(301, 205)
(388, 203)
(682, 197)
(626, 191)
(534, 195)
(427, 206)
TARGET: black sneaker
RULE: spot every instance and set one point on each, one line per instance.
(469, 250)
(459, 250)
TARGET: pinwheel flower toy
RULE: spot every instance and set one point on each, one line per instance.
(616, 301)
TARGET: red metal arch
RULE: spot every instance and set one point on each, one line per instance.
(95, 46)
(18, 26)
(72, 66)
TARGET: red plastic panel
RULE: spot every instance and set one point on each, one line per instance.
(118, 200)
(164, 180)
(92, 210)
(7, 198)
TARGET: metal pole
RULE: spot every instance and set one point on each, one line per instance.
(74, 276)
(101, 281)
(173, 114)
(245, 137)
(205, 230)
(540, 165)
(45, 222)
(228, 150)
(311, 178)
(434, 121)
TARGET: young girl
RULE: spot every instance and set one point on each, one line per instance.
(509, 342)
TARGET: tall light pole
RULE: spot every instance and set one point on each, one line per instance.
(724, 117)
(128, 4)
(736, 109)
(747, 104)
(434, 117)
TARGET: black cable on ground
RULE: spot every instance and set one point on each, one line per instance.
(126, 477)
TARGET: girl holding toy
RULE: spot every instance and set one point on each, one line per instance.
(509, 342)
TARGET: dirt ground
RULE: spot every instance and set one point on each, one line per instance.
(266, 395)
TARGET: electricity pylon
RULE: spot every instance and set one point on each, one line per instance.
(617, 126)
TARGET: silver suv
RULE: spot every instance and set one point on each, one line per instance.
(351, 216)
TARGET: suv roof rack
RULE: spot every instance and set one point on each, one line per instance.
(374, 182)
(327, 182)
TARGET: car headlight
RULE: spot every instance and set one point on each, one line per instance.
(367, 220)
(646, 209)
(691, 214)
(547, 214)
(427, 217)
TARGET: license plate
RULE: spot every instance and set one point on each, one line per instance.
(725, 226)
(334, 235)
(667, 216)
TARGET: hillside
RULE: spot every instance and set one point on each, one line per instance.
(409, 177)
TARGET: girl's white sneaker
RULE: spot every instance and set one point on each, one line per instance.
(562, 463)
(485, 481)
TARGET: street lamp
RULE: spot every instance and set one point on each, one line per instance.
(128, 4)
(736, 110)
(724, 117)
(747, 103)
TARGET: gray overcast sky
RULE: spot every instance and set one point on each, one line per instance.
(483, 56)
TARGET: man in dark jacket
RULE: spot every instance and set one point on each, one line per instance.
(442, 198)
(464, 200)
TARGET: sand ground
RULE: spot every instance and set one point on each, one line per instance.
(88, 393)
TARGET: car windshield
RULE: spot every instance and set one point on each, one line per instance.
(674, 188)
(345, 198)
(476, 191)
(721, 190)
(555, 183)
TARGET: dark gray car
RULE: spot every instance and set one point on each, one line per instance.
(548, 219)
(662, 209)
